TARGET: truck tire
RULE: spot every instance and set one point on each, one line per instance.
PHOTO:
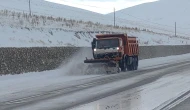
(130, 64)
(129, 67)
(136, 63)
(118, 70)
(123, 64)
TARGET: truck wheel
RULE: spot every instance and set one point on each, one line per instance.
(137, 63)
(123, 64)
(133, 65)
(130, 66)
(118, 70)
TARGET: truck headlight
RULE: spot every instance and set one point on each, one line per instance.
(117, 48)
(95, 50)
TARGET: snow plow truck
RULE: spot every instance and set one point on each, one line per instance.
(118, 51)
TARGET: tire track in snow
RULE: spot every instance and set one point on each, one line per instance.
(174, 102)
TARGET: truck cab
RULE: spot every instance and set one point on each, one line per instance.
(107, 48)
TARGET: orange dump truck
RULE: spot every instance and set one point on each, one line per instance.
(115, 50)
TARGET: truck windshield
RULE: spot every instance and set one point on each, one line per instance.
(107, 43)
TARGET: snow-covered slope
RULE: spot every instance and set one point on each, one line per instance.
(162, 13)
(36, 38)
(59, 25)
(43, 7)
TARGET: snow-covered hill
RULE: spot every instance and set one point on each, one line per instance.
(162, 13)
(59, 25)
(43, 7)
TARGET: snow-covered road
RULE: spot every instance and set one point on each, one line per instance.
(153, 96)
(157, 81)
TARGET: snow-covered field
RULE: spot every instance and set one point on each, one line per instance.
(59, 25)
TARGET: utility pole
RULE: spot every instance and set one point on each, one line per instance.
(175, 29)
(29, 8)
(114, 16)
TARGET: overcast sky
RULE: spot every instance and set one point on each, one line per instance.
(101, 6)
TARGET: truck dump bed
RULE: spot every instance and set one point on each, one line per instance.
(131, 46)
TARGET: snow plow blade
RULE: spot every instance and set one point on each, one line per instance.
(96, 61)
(110, 63)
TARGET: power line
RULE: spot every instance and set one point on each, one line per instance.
(151, 21)
(146, 20)
(159, 24)
(154, 27)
